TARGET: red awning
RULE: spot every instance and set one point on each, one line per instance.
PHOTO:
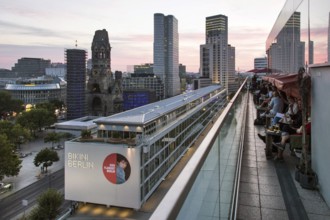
(287, 83)
(264, 70)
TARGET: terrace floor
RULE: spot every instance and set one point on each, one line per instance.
(267, 187)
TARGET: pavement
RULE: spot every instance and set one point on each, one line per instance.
(29, 173)
(267, 187)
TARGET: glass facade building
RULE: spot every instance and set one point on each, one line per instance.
(166, 53)
(76, 83)
(300, 34)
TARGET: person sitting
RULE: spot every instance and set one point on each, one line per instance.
(286, 117)
(285, 136)
(266, 97)
(275, 106)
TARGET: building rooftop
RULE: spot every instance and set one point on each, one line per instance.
(146, 113)
(53, 86)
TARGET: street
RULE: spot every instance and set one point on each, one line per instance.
(11, 205)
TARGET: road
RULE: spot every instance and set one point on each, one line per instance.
(11, 206)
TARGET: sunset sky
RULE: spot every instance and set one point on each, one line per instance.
(44, 29)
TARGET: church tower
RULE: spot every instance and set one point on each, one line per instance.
(104, 93)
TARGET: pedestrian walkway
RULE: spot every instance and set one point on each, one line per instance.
(268, 189)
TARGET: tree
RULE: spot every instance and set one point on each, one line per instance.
(16, 134)
(86, 134)
(36, 119)
(9, 105)
(52, 137)
(46, 157)
(10, 164)
(49, 204)
(20, 135)
(46, 105)
(57, 103)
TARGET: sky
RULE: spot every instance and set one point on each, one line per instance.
(44, 28)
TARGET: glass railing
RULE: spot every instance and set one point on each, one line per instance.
(207, 187)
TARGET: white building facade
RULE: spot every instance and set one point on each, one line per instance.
(148, 140)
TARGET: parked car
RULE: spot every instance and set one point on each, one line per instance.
(5, 186)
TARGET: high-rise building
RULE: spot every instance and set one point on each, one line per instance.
(144, 81)
(104, 93)
(329, 40)
(214, 53)
(260, 63)
(30, 67)
(232, 82)
(76, 83)
(287, 54)
(166, 53)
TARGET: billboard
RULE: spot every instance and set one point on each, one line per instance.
(102, 173)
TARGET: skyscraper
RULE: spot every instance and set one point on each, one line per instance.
(76, 83)
(288, 53)
(104, 93)
(214, 53)
(166, 53)
(329, 40)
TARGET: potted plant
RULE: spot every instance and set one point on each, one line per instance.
(304, 173)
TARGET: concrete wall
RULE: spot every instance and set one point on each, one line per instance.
(321, 126)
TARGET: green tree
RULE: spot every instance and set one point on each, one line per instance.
(67, 135)
(20, 135)
(86, 134)
(9, 105)
(46, 105)
(49, 204)
(46, 157)
(52, 137)
(57, 103)
(10, 164)
(36, 119)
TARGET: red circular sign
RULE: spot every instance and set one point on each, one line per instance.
(116, 168)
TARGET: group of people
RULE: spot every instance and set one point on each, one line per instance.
(285, 113)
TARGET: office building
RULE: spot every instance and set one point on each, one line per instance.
(166, 53)
(287, 54)
(104, 92)
(260, 63)
(134, 98)
(30, 67)
(38, 90)
(76, 83)
(233, 85)
(146, 68)
(214, 53)
(136, 149)
(329, 39)
(145, 81)
(56, 70)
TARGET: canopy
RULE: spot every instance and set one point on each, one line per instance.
(264, 70)
(287, 83)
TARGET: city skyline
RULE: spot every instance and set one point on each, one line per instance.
(46, 30)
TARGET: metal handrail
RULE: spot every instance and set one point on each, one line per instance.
(234, 204)
(172, 202)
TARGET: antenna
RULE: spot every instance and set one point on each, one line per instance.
(76, 43)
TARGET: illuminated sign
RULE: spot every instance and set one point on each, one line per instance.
(78, 160)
